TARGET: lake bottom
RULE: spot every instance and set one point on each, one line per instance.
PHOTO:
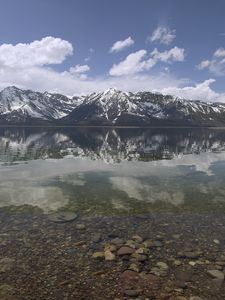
(154, 256)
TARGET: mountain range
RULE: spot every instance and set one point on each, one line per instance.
(109, 108)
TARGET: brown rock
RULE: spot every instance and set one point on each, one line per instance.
(130, 280)
(183, 274)
(129, 275)
(124, 250)
(139, 257)
(117, 241)
(192, 255)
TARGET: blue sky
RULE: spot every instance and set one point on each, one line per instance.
(77, 47)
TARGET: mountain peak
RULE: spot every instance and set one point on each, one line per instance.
(10, 89)
(111, 91)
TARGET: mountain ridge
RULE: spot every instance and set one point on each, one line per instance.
(111, 107)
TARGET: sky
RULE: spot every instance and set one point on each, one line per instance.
(78, 47)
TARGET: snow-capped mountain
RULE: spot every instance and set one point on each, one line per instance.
(18, 105)
(111, 107)
(145, 108)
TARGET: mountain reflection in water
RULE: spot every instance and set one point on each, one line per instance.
(113, 171)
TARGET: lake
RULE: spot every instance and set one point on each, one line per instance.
(112, 171)
(134, 212)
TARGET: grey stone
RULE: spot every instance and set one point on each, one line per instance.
(134, 267)
(62, 217)
(96, 238)
(162, 265)
(80, 226)
(137, 238)
(176, 236)
(132, 293)
(139, 257)
(117, 241)
(192, 255)
(217, 283)
(157, 244)
(158, 271)
(216, 274)
(216, 241)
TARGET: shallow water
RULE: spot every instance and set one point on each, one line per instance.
(112, 171)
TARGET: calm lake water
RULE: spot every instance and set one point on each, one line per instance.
(112, 171)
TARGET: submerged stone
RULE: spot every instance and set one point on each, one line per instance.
(109, 255)
(132, 293)
(80, 226)
(216, 274)
(117, 241)
(96, 237)
(162, 265)
(6, 291)
(125, 251)
(6, 264)
(137, 238)
(98, 254)
(183, 274)
(62, 217)
(139, 257)
(134, 267)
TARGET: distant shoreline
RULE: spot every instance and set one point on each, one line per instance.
(108, 126)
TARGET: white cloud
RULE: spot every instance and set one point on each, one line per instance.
(43, 79)
(138, 62)
(78, 69)
(174, 54)
(219, 52)
(48, 50)
(120, 45)
(132, 64)
(37, 75)
(162, 35)
(201, 91)
(216, 64)
(203, 65)
(46, 79)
